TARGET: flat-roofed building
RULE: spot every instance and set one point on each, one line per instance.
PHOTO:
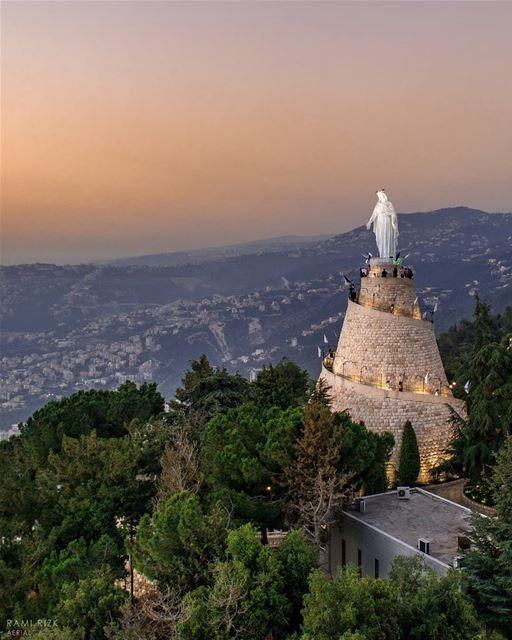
(376, 529)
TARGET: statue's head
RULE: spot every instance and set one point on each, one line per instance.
(381, 195)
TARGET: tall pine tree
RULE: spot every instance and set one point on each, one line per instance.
(489, 408)
(489, 564)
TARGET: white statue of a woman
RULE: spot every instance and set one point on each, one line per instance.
(385, 226)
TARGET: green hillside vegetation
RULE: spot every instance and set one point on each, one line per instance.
(101, 487)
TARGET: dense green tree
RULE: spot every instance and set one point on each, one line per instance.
(409, 457)
(296, 559)
(255, 594)
(93, 487)
(283, 385)
(199, 370)
(94, 481)
(484, 324)
(322, 393)
(376, 480)
(489, 406)
(62, 571)
(456, 346)
(243, 453)
(365, 454)
(461, 342)
(453, 464)
(488, 565)
(18, 512)
(90, 604)
(372, 468)
(348, 603)
(208, 391)
(316, 483)
(414, 603)
(478, 353)
(105, 412)
(430, 607)
(178, 543)
(332, 457)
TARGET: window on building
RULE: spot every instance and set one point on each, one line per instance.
(376, 563)
(343, 552)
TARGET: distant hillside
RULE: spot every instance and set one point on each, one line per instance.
(282, 243)
(70, 327)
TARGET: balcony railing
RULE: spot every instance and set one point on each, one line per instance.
(429, 385)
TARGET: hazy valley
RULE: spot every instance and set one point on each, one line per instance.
(65, 328)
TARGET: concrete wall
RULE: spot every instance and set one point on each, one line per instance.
(373, 544)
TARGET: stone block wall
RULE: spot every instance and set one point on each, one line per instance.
(375, 346)
(381, 293)
(383, 410)
(387, 368)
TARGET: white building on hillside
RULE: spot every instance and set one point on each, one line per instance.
(376, 529)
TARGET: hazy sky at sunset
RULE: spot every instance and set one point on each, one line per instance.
(140, 127)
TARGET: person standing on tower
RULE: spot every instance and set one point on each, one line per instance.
(385, 226)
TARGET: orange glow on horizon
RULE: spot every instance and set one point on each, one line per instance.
(140, 127)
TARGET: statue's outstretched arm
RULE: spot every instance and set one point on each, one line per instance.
(372, 219)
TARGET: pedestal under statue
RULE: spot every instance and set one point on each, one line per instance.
(385, 226)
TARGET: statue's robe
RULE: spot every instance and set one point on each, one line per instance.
(385, 224)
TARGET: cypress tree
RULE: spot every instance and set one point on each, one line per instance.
(409, 460)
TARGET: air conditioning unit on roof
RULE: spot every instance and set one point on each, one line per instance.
(403, 493)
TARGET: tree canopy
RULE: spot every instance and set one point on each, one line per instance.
(283, 385)
(104, 487)
(488, 566)
(414, 603)
(478, 358)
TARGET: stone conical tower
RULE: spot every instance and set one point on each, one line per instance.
(387, 368)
